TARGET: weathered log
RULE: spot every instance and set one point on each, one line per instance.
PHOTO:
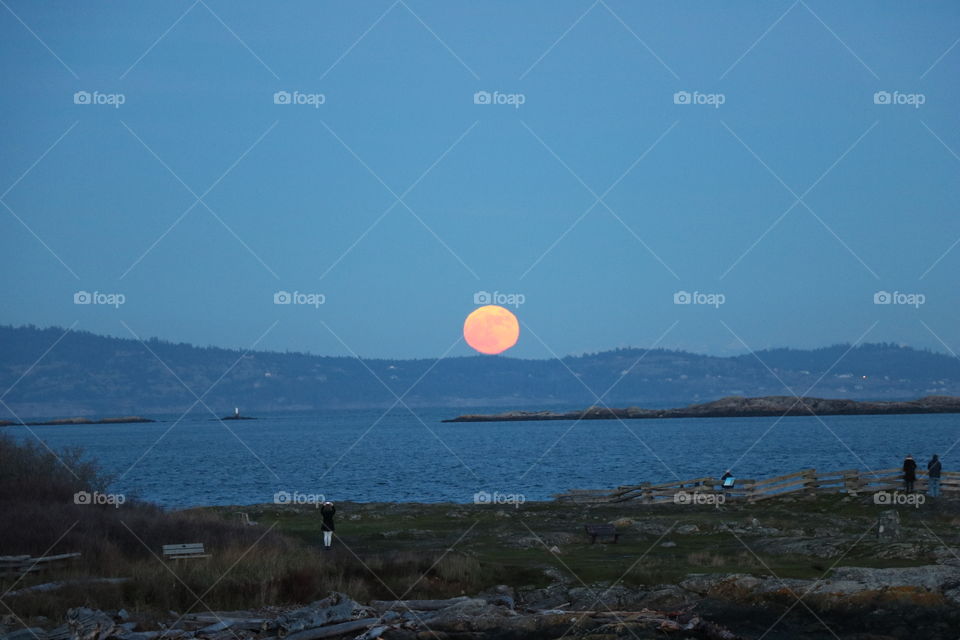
(417, 605)
(663, 621)
(223, 634)
(216, 627)
(221, 624)
(87, 624)
(33, 633)
(138, 635)
(452, 635)
(373, 633)
(60, 633)
(240, 617)
(334, 629)
(53, 586)
(336, 607)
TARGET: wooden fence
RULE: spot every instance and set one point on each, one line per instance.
(807, 481)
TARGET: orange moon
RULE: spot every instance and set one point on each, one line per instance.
(491, 329)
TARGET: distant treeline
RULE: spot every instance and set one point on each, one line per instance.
(92, 374)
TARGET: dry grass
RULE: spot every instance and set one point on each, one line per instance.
(249, 567)
(712, 560)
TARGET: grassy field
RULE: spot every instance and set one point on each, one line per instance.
(513, 545)
(390, 550)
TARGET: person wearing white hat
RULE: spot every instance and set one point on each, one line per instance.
(327, 511)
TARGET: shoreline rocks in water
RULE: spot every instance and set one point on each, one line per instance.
(77, 421)
(736, 407)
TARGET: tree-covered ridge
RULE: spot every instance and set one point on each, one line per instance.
(92, 374)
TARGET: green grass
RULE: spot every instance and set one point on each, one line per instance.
(490, 535)
(441, 550)
(415, 550)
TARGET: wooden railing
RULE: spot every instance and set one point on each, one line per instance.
(807, 481)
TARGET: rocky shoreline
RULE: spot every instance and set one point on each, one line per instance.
(807, 567)
(813, 566)
(736, 407)
(854, 602)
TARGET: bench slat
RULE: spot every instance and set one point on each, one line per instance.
(183, 551)
(185, 547)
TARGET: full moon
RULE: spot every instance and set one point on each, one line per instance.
(491, 329)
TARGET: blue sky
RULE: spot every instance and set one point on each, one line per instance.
(599, 198)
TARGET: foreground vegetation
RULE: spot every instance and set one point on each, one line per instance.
(389, 550)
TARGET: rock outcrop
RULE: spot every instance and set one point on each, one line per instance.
(735, 407)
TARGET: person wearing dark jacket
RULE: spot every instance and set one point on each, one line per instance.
(909, 473)
(726, 480)
(327, 511)
(933, 476)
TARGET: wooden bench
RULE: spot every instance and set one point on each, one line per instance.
(19, 565)
(601, 530)
(184, 551)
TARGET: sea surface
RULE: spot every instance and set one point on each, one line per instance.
(369, 456)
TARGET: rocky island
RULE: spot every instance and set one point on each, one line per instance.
(736, 407)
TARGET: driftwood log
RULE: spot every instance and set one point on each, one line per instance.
(87, 624)
(33, 633)
(53, 586)
(139, 635)
(335, 608)
(339, 616)
(245, 620)
(334, 629)
(418, 605)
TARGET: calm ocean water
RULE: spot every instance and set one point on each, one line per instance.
(357, 455)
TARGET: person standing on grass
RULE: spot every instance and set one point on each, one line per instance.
(327, 511)
(933, 475)
(909, 473)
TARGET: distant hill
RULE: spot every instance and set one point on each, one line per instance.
(88, 374)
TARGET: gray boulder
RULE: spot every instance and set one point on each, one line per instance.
(888, 526)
